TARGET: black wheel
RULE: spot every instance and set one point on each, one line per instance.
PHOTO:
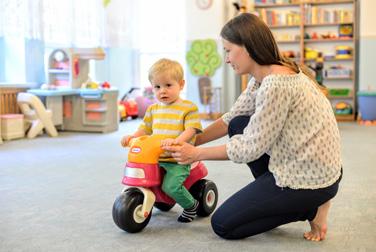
(134, 117)
(126, 211)
(163, 206)
(205, 191)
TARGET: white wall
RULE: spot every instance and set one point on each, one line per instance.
(367, 45)
(367, 18)
(202, 24)
(207, 24)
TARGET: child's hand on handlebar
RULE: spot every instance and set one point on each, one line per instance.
(125, 140)
(169, 142)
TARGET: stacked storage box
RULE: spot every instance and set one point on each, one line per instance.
(12, 126)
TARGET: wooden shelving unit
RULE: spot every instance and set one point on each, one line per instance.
(302, 27)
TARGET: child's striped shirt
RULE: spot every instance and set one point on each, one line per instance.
(169, 121)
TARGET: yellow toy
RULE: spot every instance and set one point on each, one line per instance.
(145, 144)
(343, 52)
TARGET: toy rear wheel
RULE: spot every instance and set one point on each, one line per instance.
(126, 211)
(163, 206)
(206, 192)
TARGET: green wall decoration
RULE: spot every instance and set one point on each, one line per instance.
(106, 2)
(203, 58)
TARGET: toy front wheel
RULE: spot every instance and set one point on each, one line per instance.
(205, 191)
(126, 211)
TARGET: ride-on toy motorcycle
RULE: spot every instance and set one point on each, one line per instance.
(143, 177)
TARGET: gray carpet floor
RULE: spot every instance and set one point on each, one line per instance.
(56, 194)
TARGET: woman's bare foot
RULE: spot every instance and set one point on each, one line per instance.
(319, 224)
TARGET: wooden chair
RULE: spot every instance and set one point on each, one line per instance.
(36, 114)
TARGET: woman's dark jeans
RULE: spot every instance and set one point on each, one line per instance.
(262, 205)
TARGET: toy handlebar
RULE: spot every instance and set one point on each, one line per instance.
(145, 149)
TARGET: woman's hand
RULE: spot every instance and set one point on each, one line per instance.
(183, 153)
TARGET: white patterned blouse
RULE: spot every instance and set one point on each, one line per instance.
(293, 122)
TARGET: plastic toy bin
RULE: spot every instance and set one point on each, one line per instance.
(367, 105)
(12, 126)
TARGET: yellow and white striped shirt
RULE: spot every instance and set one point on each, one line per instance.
(169, 121)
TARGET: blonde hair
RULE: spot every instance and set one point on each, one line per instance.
(166, 66)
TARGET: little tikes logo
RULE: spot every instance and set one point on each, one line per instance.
(136, 150)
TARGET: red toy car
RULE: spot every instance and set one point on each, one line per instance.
(128, 106)
(133, 207)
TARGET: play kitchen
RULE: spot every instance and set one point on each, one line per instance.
(88, 110)
(91, 110)
(77, 103)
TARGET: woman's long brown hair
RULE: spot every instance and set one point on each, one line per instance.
(250, 31)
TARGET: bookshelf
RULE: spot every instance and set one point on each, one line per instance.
(306, 29)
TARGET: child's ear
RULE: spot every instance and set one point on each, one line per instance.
(182, 82)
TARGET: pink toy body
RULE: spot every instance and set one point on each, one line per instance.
(143, 178)
(154, 177)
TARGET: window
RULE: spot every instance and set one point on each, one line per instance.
(73, 23)
(159, 33)
(145, 30)
(14, 51)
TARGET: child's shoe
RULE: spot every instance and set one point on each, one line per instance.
(189, 213)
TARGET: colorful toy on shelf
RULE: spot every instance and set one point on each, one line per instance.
(128, 106)
(339, 91)
(133, 207)
(345, 31)
(329, 35)
(314, 35)
(310, 54)
(338, 72)
(343, 52)
(343, 108)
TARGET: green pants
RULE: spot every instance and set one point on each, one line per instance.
(173, 183)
